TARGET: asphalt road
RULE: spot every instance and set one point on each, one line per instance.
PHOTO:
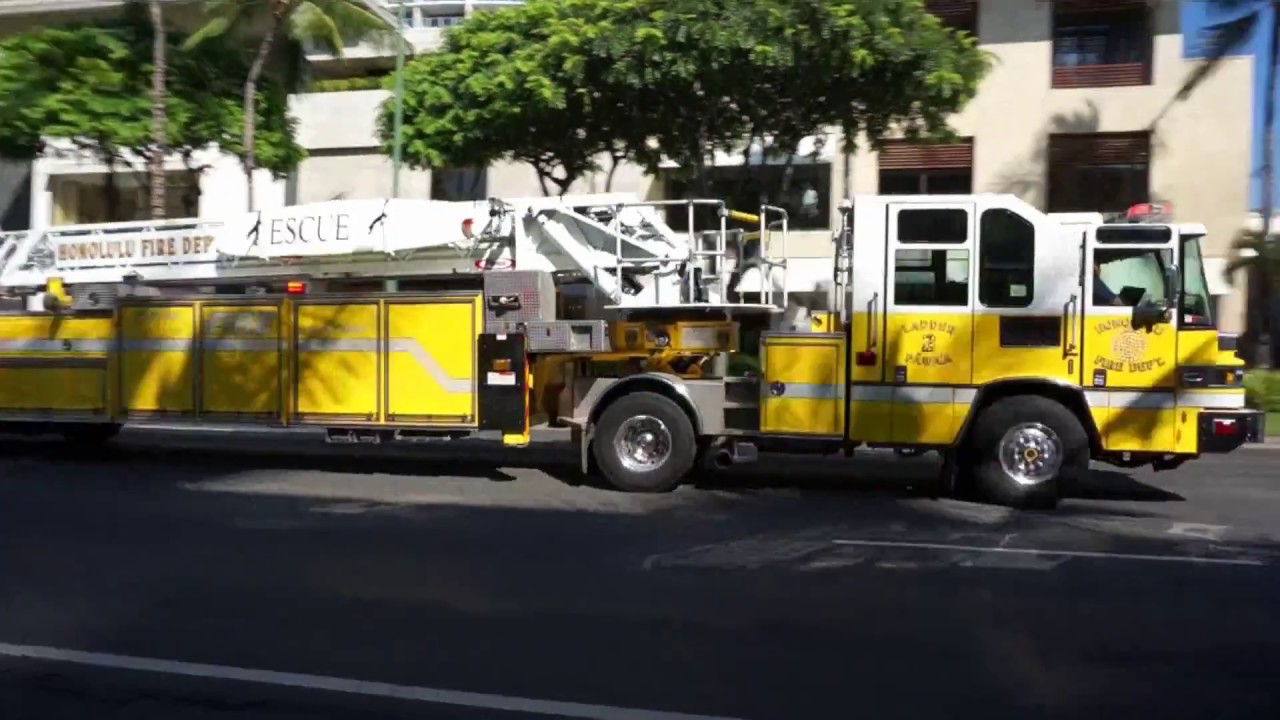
(182, 577)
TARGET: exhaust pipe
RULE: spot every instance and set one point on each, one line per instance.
(724, 459)
(735, 453)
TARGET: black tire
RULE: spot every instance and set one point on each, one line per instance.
(676, 441)
(1040, 419)
(91, 434)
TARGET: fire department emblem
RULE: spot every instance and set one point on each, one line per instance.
(1129, 346)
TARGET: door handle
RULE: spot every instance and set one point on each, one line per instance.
(873, 307)
(1070, 310)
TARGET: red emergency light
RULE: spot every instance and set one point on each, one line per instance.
(295, 287)
(1149, 212)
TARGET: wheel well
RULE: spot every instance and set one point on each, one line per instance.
(642, 383)
(1072, 398)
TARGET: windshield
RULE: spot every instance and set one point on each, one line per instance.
(1197, 309)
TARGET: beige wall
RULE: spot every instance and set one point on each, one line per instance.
(353, 174)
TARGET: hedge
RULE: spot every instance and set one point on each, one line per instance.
(1262, 389)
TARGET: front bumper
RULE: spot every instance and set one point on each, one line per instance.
(1222, 431)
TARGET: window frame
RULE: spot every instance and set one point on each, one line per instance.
(960, 15)
(1080, 14)
(1070, 155)
(1029, 266)
(940, 253)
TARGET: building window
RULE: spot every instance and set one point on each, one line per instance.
(956, 14)
(459, 184)
(1100, 43)
(1006, 259)
(802, 189)
(1100, 172)
(926, 169)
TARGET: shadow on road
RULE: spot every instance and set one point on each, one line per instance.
(867, 474)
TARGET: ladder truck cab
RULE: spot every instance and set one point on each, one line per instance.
(1018, 345)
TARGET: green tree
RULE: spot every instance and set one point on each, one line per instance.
(561, 83)
(331, 23)
(1256, 254)
(93, 85)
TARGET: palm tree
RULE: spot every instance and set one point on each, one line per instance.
(1255, 253)
(327, 22)
(159, 114)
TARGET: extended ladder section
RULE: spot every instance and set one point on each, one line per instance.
(639, 262)
(622, 245)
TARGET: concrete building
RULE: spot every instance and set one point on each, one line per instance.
(1078, 113)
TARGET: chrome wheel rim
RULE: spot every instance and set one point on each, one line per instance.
(643, 443)
(1030, 453)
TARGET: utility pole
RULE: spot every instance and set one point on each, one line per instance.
(397, 145)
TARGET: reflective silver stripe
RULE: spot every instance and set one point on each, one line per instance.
(916, 394)
(803, 391)
(871, 393)
(1222, 400)
(157, 344)
(1097, 398)
(922, 394)
(338, 345)
(429, 365)
(242, 344)
(1130, 399)
(67, 345)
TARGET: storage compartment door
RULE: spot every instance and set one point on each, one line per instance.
(241, 360)
(157, 359)
(431, 361)
(336, 365)
(803, 388)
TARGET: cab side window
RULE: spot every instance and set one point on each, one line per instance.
(928, 276)
(1006, 259)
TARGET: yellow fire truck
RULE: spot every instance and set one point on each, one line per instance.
(1017, 344)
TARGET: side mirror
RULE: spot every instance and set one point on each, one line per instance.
(1147, 314)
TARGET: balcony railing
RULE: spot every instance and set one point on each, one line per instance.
(1097, 76)
(424, 21)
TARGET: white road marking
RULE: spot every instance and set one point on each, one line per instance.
(1062, 553)
(1199, 530)
(343, 685)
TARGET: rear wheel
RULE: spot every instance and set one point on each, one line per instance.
(1028, 448)
(644, 442)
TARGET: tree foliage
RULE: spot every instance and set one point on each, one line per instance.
(560, 84)
(91, 85)
(330, 23)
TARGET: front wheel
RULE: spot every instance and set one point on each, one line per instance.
(644, 442)
(1028, 449)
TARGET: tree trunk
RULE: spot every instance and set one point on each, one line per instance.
(279, 14)
(111, 193)
(1262, 321)
(614, 162)
(159, 114)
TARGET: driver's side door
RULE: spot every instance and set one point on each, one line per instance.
(1129, 339)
